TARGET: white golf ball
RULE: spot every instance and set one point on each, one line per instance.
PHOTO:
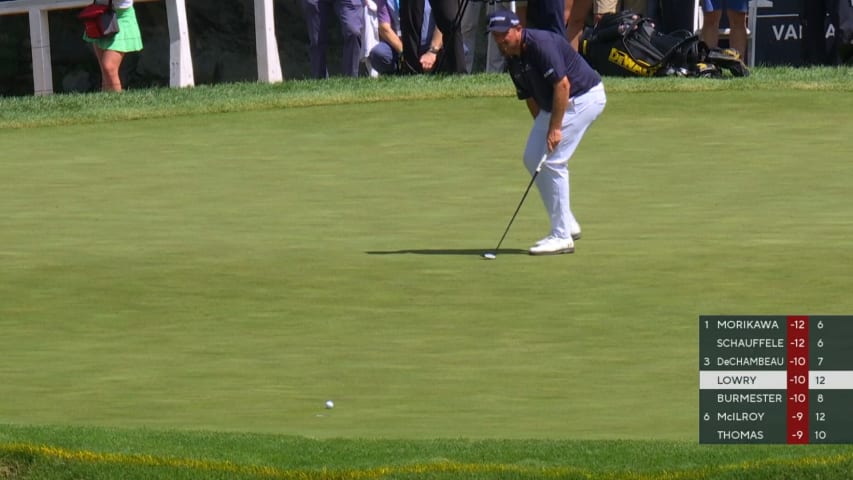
(330, 404)
(489, 256)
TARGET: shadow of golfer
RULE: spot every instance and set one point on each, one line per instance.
(448, 251)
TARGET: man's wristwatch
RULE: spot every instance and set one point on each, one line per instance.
(434, 49)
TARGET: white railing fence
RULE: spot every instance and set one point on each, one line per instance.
(180, 59)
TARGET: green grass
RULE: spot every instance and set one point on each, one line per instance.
(226, 262)
(110, 453)
(19, 112)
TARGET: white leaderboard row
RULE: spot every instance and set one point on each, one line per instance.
(774, 380)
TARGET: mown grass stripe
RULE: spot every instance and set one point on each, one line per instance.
(700, 473)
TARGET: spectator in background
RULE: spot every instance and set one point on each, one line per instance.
(813, 16)
(446, 56)
(111, 51)
(495, 62)
(413, 27)
(713, 13)
(813, 19)
(547, 15)
(675, 15)
(578, 13)
(452, 59)
(550, 15)
(318, 19)
(472, 35)
(386, 56)
(470, 31)
(844, 32)
(603, 7)
(430, 51)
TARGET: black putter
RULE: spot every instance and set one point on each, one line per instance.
(493, 255)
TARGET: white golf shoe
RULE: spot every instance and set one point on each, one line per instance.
(576, 235)
(552, 246)
(576, 231)
(543, 240)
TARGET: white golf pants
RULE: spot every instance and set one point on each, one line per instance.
(553, 179)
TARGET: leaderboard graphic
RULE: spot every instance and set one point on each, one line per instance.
(776, 379)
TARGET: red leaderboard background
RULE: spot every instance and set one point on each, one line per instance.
(776, 379)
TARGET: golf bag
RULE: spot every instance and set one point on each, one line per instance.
(628, 44)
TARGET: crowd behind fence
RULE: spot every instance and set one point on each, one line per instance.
(269, 65)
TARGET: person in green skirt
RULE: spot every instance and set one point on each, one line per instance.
(111, 51)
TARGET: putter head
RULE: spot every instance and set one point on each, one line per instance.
(489, 256)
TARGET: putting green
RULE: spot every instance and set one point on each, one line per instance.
(235, 271)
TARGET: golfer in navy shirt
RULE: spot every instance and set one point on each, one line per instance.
(564, 95)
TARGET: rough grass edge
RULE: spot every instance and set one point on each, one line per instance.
(17, 459)
(91, 108)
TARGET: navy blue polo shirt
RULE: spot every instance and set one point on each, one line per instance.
(545, 59)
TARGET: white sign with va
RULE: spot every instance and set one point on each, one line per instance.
(794, 31)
